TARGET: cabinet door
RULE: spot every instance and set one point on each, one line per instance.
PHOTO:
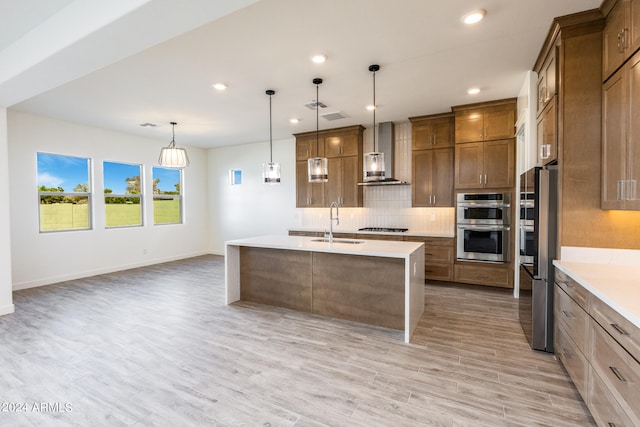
(306, 147)
(499, 125)
(613, 140)
(442, 178)
(548, 140)
(341, 145)
(421, 137)
(469, 172)
(634, 24)
(633, 137)
(613, 53)
(499, 163)
(351, 194)
(422, 165)
(547, 80)
(333, 187)
(308, 195)
(442, 131)
(470, 127)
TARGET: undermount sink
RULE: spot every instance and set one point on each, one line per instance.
(352, 242)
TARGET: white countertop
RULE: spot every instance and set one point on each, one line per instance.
(617, 285)
(405, 233)
(380, 248)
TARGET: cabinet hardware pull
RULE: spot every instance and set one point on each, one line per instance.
(567, 284)
(567, 314)
(617, 374)
(611, 424)
(480, 178)
(434, 199)
(619, 329)
(620, 189)
(435, 139)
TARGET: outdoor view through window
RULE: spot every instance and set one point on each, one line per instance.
(64, 192)
(122, 194)
(167, 196)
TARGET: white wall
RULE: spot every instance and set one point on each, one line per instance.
(252, 208)
(6, 299)
(44, 258)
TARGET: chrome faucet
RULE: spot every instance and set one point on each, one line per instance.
(331, 219)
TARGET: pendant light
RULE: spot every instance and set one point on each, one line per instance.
(270, 171)
(318, 167)
(172, 156)
(374, 161)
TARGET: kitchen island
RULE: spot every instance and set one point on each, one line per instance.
(368, 281)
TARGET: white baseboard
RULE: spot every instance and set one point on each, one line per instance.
(7, 309)
(105, 270)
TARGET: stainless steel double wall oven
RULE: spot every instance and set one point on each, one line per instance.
(483, 226)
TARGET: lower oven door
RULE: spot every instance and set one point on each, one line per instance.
(483, 243)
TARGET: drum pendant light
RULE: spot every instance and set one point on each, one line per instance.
(172, 156)
(318, 167)
(374, 161)
(270, 171)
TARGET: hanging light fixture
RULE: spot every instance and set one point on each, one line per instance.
(374, 161)
(172, 156)
(270, 171)
(318, 167)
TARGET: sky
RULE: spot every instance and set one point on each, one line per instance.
(66, 171)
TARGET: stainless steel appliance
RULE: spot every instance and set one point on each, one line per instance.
(536, 273)
(483, 226)
(527, 216)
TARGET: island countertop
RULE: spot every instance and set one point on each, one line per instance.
(379, 248)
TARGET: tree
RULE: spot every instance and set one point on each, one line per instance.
(133, 185)
(51, 199)
(156, 190)
(81, 188)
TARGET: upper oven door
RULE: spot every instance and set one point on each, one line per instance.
(479, 213)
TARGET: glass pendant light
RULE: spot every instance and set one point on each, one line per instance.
(270, 171)
(318, 167)
(172, 156)
(374, 161)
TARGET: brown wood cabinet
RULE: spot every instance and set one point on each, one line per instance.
(489, 164)
(547, 135)
(478, 273)
(621, 35)
(547, 80)
(599, 349)
(438, 257)
(432, 177)
(433, 131)
(485, 121)
(621, 138)
(343, 148)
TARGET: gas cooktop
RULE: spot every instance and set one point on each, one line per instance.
(384, 229)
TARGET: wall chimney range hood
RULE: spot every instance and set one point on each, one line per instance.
(386, 145)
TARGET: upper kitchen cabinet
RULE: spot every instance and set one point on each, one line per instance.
(486, 121)
(621, 138)
(547, 80)
(432, 160)
(489, 164)
(343, 148)
(430, 132)
(621, 35)
(547, 137)
(547, 147)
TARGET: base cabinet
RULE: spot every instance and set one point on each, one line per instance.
(477, 273)
(438, 257)
(598, 355)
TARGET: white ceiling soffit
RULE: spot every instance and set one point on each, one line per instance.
(81, 36)
(428, 60)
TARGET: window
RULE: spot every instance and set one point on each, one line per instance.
(167, 196)
(122, 194)
(64, 192)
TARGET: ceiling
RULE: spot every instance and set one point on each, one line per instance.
(122, 63)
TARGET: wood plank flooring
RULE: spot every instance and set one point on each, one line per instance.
(156, 346)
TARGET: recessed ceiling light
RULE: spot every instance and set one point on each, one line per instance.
(319, 58)
(219, 86)
(473, 91)
(474, 17)
(293, 120)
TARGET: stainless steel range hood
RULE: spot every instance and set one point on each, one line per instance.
(386, 145)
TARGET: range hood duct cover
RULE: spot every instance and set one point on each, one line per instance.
(386, 144)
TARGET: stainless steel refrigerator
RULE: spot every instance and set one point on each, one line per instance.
(538, 239)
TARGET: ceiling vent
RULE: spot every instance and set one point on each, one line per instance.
(314, 104)
(336, 115)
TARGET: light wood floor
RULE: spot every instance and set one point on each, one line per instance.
(157, 346)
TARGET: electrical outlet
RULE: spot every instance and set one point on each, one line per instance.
(433, 217)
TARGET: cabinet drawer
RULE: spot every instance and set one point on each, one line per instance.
(619, 371)
(479, 274)
(623, 331)
(573, 360)
(442, 272)
(574, 289)
(573, 318)
(438, 254)
(603, 406)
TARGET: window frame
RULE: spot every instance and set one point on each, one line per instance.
(88, 194)
(139, 196)
(162, 196)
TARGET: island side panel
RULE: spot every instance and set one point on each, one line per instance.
(277, 277)
(231, 273)
(364, 289)
(415, 292)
